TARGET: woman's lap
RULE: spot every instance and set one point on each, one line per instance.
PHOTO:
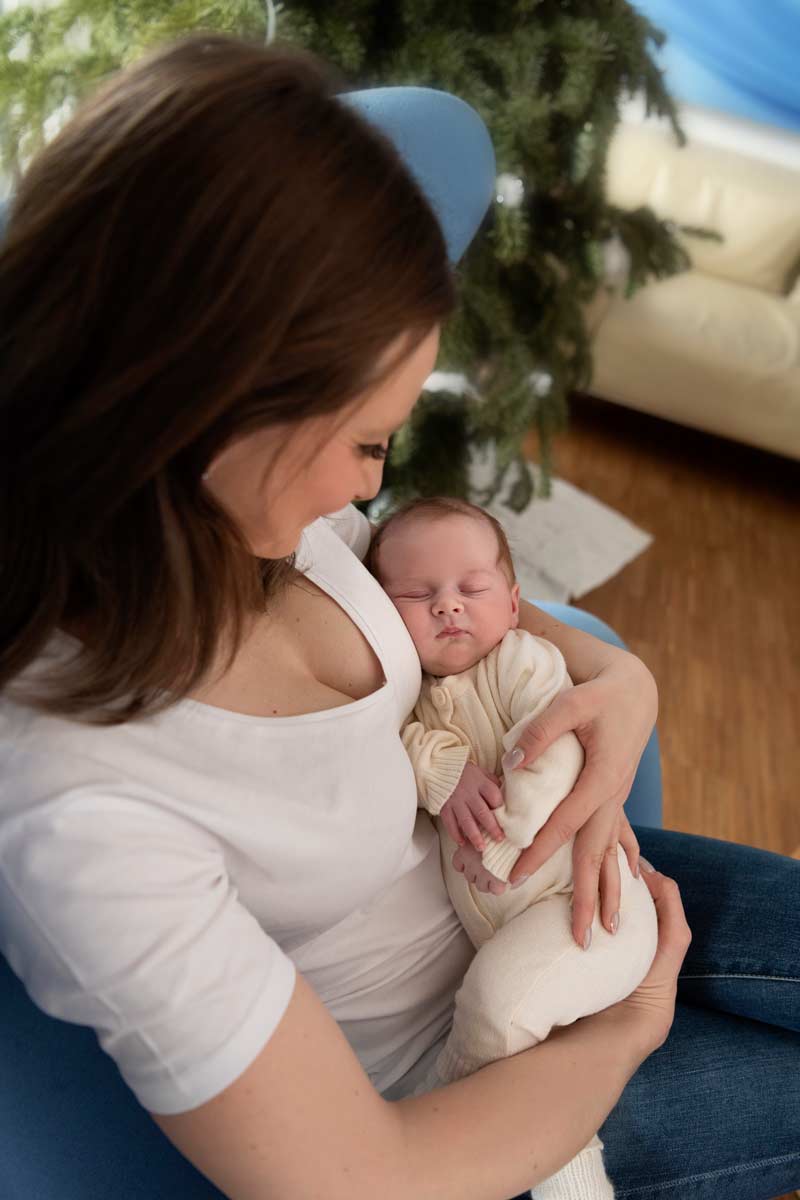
(743, 908)
(715, 1111)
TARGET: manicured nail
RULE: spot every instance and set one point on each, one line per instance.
(615, 922)
(511, 759)
(521, 879)
(587, 939)
(636, 872)
(646, 866)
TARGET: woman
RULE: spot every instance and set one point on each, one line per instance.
(220, 294)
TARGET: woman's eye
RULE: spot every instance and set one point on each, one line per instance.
(375, 451)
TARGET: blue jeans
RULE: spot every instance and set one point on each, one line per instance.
(715, 1111)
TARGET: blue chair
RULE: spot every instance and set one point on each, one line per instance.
(70, 1129)
(643, 806)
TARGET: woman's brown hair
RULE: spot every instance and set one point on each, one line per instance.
(211, 244)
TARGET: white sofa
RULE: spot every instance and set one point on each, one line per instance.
(716, 347)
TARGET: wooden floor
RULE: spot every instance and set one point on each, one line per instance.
(713, 608)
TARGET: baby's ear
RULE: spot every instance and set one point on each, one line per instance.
(515, 606)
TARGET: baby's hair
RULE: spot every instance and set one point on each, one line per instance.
(439, 506)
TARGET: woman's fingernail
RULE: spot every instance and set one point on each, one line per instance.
(645, 865)
(511, 759)
(636, 872)
(587, 938)
(521, 879)
(615, 922)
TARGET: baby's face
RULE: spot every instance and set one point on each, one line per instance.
(441, 574)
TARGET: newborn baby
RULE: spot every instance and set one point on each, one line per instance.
(447, 568)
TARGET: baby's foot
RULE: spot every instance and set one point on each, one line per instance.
(468, 860)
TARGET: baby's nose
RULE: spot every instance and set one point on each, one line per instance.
(446, 604)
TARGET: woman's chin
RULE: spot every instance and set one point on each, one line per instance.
(280, 548)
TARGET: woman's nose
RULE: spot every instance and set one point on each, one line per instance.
(368, 493)
(447, 604)
(370, 488)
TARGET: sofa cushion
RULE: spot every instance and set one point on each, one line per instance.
(708, 353)
(754, 204)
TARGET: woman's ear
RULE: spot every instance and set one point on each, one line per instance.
(515, 606)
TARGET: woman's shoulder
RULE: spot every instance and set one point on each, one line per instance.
(54, 765)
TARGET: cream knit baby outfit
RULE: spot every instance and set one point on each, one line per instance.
(528, 975)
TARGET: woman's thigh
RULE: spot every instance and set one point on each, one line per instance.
(743, 908)
(715, 1111)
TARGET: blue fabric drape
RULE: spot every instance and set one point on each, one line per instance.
(741, 56)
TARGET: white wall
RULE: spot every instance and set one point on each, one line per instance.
(722, 129)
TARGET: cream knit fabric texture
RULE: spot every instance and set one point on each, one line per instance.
(476, 716)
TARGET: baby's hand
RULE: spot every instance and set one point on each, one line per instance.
(467, 860)
(470, 804)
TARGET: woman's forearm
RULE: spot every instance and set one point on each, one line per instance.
(584, 654)
(304, 1120)
(516, 1122)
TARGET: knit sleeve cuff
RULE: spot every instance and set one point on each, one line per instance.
(500, 857)
(442, 776)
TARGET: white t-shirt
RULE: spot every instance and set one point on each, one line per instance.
(162, 880)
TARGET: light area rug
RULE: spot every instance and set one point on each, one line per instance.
(566, 545)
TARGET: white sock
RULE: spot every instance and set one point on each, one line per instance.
(583, 1178)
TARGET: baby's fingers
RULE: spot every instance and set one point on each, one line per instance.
(471, 832)
(491, 792)
(490, 823)
(448, 819)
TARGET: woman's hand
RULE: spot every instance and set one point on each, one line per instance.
(653, 1001)
(612, 715)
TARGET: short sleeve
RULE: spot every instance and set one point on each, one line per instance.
(352, 527)
(121, 916)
